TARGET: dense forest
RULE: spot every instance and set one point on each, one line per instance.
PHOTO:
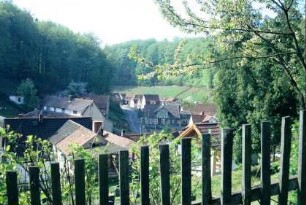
(163, 52)
(49, 54)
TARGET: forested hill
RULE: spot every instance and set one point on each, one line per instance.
(159, 52)
(49, 54)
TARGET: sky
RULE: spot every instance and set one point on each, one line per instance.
(113, 21)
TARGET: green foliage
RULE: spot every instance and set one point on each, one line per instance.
(153, 141)
(77, 88)
(134, 61)
(49, 54)
(38, 152)
(28, 91)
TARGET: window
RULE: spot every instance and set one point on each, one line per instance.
(75, 112)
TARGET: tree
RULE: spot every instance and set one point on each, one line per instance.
(28, 91)
(273, 24)
(77, 88)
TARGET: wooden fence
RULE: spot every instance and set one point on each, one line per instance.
(248, 194)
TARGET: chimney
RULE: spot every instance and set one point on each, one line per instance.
(98, 128)
(122, 133)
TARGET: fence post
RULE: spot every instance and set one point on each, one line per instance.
(164, 166)
(103, 179)
(56, 184)
(144, 175)
(265, 163)
(12, 188)
(285, 160)
(79, 174)
(302, 160)
(34, 185)
(246, 163)
(206, 170)
(186, 170)
(124, 177)
(226, 169)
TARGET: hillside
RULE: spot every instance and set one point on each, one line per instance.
(180, 50)
(49, 54)
(184, 93)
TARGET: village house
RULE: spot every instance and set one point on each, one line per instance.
(135, 102)
(163, 116)
(19, 100)
(203, 112)
(149, 99)
(102, 102)
(77, 107)
(42, 127)
(95, 141)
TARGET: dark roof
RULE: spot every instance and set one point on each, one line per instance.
(149, 97)
(77, 104)
(208, 108)
(67, 129)
(41, 127)
(173, 109)
(197, 118)
(101, 101)
(45, 113)
(73, 133)
(149, 110)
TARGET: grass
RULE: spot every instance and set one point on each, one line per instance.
(184, 93)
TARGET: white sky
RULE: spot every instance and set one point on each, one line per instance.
(113, 21)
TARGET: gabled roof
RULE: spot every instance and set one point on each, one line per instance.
(118, 140)
(151, 97)
(207, 108)
(149, 110)
(72, 133)
(101, 101)
(42, 127)
(77, 104)
(199, 129)
(173, 109)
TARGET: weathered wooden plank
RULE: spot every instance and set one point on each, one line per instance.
(164, 166)
(12, 188)
(79, 174)
(265, 163)
(144, 175)
(246, 164)
(285, 160)
(103, 179)
(206, 170)
(34, 185)
(226, 163)
(186, 170)
(302, 160)
(56, 184)
(124, 177)
(236, 197)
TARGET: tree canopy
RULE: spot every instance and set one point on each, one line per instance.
(49, 54)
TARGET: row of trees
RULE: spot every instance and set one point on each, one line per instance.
(157, 52)
(49, 54)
